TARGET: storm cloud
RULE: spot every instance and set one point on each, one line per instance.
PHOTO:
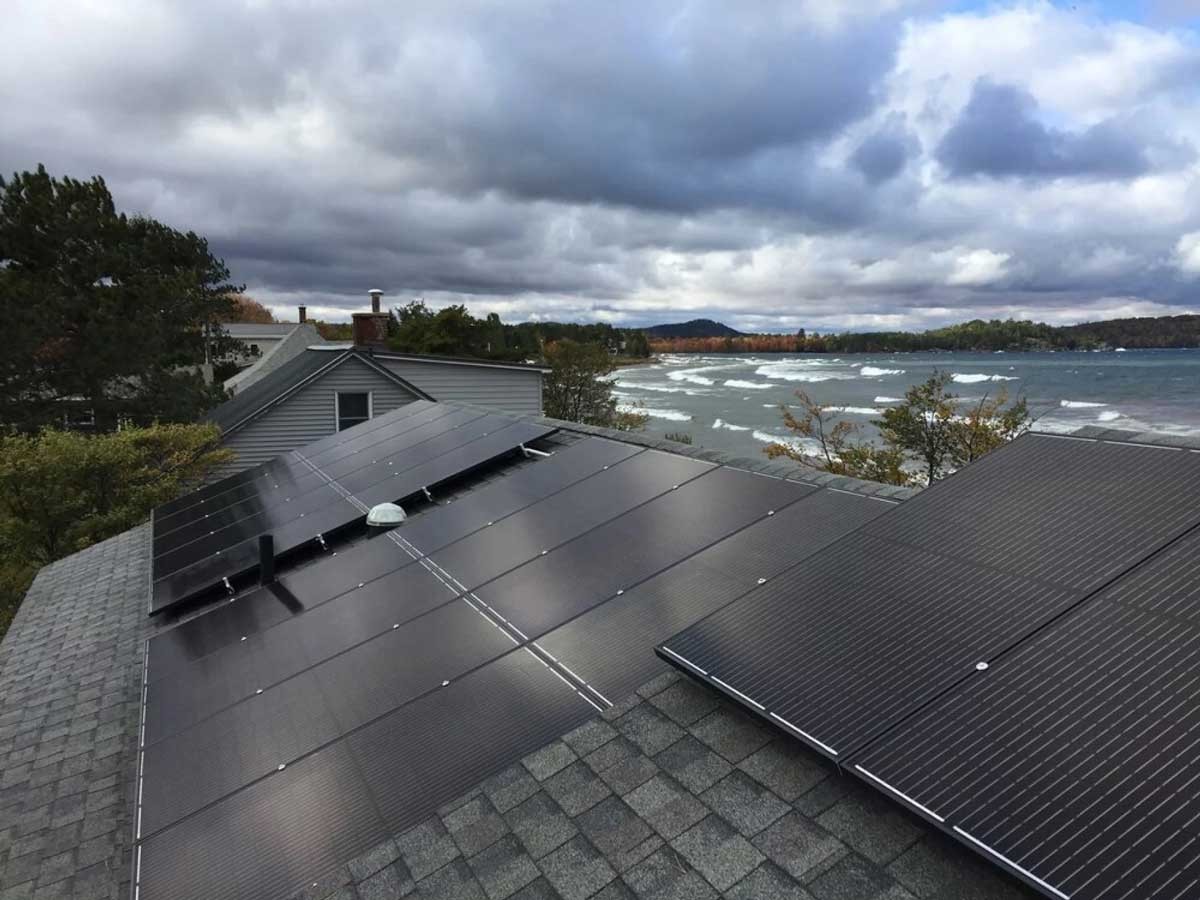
(817, 164)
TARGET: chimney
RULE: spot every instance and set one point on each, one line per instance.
(303, 314)
(370, 328)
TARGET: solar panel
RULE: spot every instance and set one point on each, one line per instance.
(569, 580)
(280, 465)
(364, 563)
(886, 619)
(610, 647)
(276, 835)
(607, 494)
(1074, 512)
(205, 761)
(434, 460)
(1074, 760)
(414, 446)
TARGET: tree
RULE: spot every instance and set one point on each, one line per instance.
(61, 491)
(248, 310)
(103, 311)
(836, 452)
(577, 389)
(931, 426)
(923, 425)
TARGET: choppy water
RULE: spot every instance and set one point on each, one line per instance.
(732, 402)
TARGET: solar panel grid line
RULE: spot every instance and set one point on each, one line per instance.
(574, 475)
(276, 512)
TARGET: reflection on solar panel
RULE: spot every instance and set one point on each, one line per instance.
(1075, 759)
(1011, 654)
(416, 453)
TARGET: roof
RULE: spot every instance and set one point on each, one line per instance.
(671, 792)
(293, 344)
(245, 331)
(286, 379)
(445, 360)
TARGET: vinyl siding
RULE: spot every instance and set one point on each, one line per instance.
(308, 415)
(509, 390)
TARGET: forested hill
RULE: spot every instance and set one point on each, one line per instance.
(1160, 332)
(696, 328)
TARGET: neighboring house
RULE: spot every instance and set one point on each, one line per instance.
(256, 340)
(324, 388)
(272, 352)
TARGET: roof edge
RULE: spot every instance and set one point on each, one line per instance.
(1128, 436)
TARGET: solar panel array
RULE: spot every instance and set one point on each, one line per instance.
(302, 722)
(213, 534)
(1012, 655)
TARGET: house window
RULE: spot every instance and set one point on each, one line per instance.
(352, 409)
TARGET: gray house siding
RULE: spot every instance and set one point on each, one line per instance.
(308, 415)
(510, 390)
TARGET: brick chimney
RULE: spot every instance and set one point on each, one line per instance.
(370, 328)
(303, 314)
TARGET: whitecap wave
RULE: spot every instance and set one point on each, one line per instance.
(673, 415)
(889, 399)
(854, 410)
(808, 370)
(1080, 404)
(976, 378)
(875, 372)
(657, 388)
(728, 426)
(691, 375)
(748, 385)
(1108, 416)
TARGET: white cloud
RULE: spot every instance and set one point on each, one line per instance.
(1187, 253)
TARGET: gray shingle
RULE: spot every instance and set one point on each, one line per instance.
(744, 803)
(389, 883)
(694, 765)
(768, 882)
(732, 733)
(718, 852)
(475, 825)
(426, 847)
(454, 881)
(540, 825)
(666, 875)
(786, 767)
(503, 868)
(511, 787)
(852, 878)
(576, 788)
(666, 805)
(871, 824)
(797, 845)
(618, 833)
(589, 736)
(685, 702)
(576, 869)
(549, 759)
(649, 729)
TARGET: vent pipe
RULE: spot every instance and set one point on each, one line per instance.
(376, 295)
(303, 313)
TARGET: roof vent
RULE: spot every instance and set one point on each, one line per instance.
(386, 515)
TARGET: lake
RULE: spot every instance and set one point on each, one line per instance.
(732, 402)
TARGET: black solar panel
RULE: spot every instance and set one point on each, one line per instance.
(198, 765)
(569, 580)
(1071, 511)
(278, 834)
(607, 494)
(861, 635)
(269, 472)
(414, 447)
(1075, 759)
(433, 460)
(364, 563)
(610, 647)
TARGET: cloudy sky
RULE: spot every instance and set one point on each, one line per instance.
(825, 164)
